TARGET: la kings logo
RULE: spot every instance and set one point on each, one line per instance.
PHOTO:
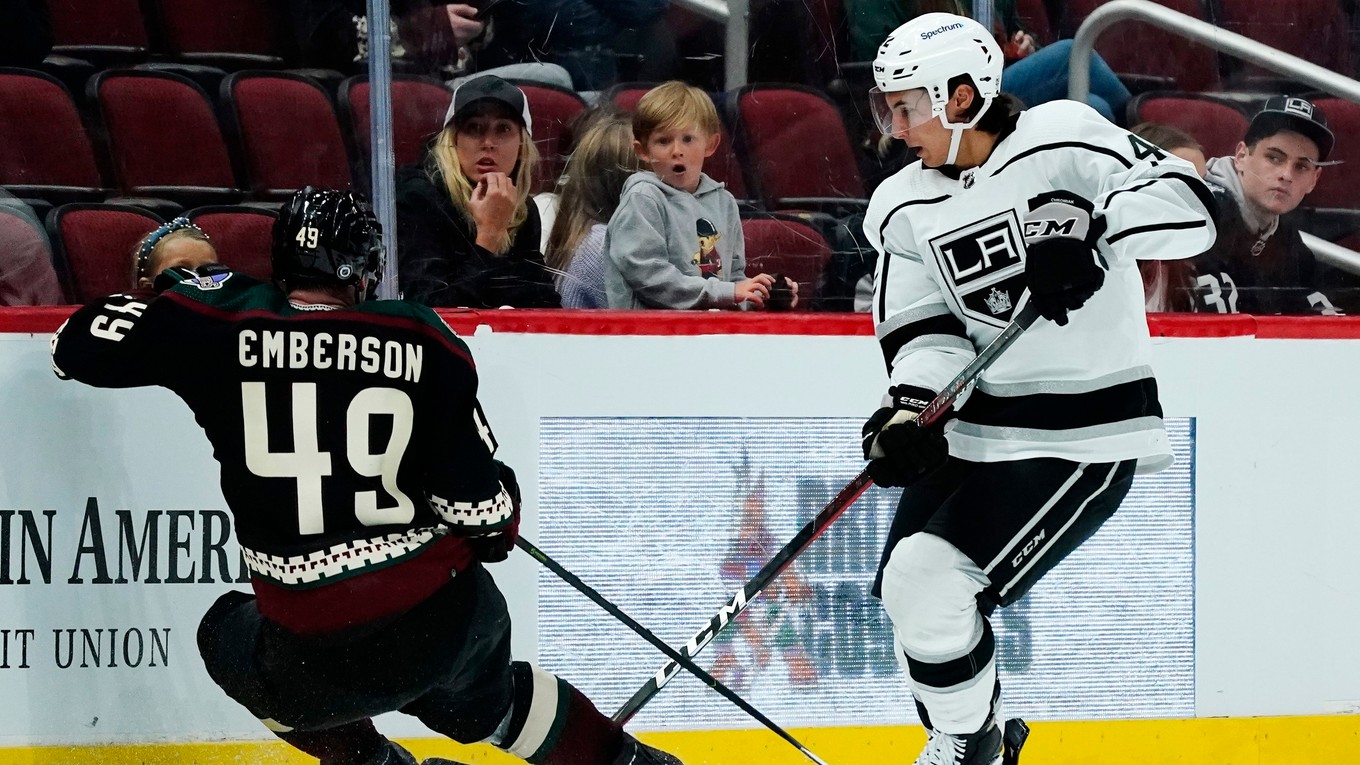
(984, 266)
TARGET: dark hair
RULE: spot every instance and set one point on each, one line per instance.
(1166, 136)
(998, 114)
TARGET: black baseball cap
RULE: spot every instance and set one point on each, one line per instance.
(489, 87)
(1295, 114)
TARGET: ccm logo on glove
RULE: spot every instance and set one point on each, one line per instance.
(1063, 266)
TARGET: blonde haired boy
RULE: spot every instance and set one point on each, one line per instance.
(675, 240)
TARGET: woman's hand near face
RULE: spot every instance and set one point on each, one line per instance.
(492, 206)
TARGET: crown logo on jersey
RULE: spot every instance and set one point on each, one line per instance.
(968, 177)
(998, 302)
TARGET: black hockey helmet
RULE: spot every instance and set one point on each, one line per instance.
(328, 237)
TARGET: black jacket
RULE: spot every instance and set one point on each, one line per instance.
(440, 264)
(1282, 277)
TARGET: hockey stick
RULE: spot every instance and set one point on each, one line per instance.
(664, 647)
(814, 528)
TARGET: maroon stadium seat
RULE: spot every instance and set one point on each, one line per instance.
(1340, 186)
(242, 236)
(789, 247)
(102, 31)
(626, 95)
(418, 107)
(1315, 30)
(1134, 48)
(1217, 126)
(234, 34)
(724, 166)
(163, 137)
(94, 246)
(552, 110)
(795, 144)
(44, 150)
(286, 132)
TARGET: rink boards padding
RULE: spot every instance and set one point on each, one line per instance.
(646, 419)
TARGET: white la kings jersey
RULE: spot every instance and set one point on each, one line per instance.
(951, 263)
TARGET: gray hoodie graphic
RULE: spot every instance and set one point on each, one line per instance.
(668, 248)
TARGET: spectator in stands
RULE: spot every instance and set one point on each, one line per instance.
(467, 234)
(26, 273)
(1259, 263)
(1167, 284)
(177, 244)
(25, 32)
(577, 34)
(436, 38)
(1175, 141)
(590, 189)
(1034, 74)
(676, 239)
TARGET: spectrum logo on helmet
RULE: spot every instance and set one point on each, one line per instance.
(941, 30)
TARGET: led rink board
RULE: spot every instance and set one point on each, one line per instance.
(667, 517)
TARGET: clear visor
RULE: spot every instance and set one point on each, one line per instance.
(897, 112)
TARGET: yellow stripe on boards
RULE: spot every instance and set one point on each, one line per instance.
(1333, 740)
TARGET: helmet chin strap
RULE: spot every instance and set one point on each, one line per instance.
(956, 131)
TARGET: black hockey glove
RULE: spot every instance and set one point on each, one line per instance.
(495, 546)
(900, 451)
(1062, 265)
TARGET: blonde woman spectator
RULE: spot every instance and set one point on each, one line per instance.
(591, 187)
(467, 234)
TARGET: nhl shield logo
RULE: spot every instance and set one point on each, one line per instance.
(983, 266)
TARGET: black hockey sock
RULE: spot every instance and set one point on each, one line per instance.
(348, 744)
(552, 723)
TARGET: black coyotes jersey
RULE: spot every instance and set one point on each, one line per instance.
(353, 452)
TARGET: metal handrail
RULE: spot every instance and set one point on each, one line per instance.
(1079, 63)
(735, 15)
(382, 160)
(1334, 255)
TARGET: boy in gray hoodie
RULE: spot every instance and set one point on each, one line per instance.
(675, 240)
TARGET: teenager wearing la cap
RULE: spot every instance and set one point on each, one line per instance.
(1259, 264)
(467, 233)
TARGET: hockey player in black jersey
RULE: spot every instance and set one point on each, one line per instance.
(366, 496)
(1051, 206)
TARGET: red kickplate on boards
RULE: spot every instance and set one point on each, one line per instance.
(45, 319)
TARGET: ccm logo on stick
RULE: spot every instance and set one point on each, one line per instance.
(697, 642)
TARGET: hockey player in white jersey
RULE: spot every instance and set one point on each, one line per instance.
(1052, 205)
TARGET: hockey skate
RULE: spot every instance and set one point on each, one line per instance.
(635, 752)
(989, 746)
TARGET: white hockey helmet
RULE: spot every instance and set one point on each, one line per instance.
(926, 53)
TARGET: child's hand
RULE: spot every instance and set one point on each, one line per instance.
(1020, 45)
(492, 205)
(755, 290)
